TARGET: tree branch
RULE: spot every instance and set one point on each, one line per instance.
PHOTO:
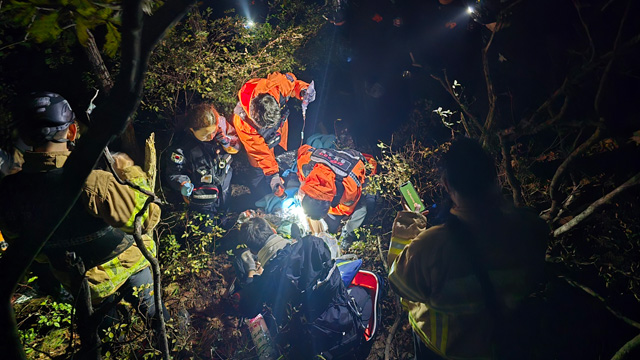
(635, 180)
(589, 291)
(488, 123)
(392, 331)
(625, 350)
(163, 344)
(447, 86)
(557, 177)
(605, 74)
(516, 189)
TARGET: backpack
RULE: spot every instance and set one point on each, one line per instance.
(329, 321)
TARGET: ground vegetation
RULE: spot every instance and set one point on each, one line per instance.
(564, 144)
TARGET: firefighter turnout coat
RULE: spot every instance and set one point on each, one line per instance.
(97, 228)
(439, 288)
(281, 87)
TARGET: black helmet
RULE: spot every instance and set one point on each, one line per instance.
(46, 114)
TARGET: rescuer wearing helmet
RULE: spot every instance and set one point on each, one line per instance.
(331, 188)
(97, 228)
(260, 118)
(198, 166)
(463, 281)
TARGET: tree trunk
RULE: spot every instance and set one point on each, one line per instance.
(110, 120)
(105, 81)
(97, 64)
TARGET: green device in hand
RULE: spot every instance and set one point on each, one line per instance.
(411, 197)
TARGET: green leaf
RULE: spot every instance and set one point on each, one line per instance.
(84, 8)
(112, 40)
(81, 31)
(45, 28)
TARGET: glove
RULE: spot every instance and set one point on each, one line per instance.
(277, 186)
(308, 96)
(248, 261)
(230, 149)
(406, 226)
(186, 189)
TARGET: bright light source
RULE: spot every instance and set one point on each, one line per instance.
(470, 10)
(249, 24)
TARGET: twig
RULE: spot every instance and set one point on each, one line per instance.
(605, 74)
(635, 180)
(382, 258)
(516, 189)
(586, 30)
(157, 285)
(627, 348)
(447, 86)
(557, 177)
(590, 291)
(392, 331)
(488, 123)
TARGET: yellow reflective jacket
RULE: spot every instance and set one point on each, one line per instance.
(104, 198)
(439, 288)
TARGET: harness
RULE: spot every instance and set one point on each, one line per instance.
(341, 162)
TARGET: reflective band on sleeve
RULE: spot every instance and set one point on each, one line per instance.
(140, 200)
(396, 245)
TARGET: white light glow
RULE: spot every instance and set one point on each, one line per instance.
(249, 24)
(470, 10)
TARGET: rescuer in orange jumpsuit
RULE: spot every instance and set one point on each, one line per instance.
(260, 119)
(331, 184)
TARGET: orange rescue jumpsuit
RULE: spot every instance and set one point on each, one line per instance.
(320, 183)
(280, 86)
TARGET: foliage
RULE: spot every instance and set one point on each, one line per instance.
(46, 21)
(410, 162)
(45, 328)
(211, 58)
(194, 249)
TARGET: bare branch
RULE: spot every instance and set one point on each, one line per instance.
(635, 180)
(447, 86)
(516, 189)
(625, 350)
(557, 177)
(605, 74)
(590, 291)
(586, 30)
(157, 280)
(382, 257)
(488, 123)
(392, 331)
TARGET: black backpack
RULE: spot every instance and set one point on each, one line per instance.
(329, 322)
